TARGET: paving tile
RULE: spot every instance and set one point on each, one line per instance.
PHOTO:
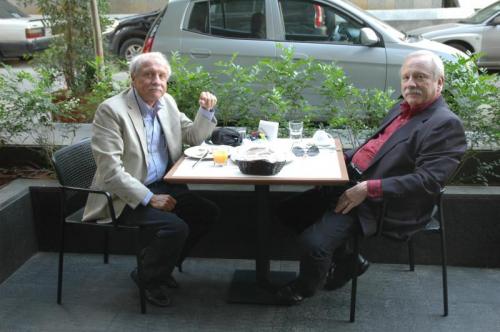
(101, 297)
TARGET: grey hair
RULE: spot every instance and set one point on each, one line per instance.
(437, 63)
(138, 61)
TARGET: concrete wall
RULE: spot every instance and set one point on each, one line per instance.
(18, 240)
(471, 215)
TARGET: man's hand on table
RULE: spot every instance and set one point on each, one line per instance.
(163, 202)
(352, 197)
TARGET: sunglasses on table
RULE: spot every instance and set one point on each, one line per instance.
(310, 151)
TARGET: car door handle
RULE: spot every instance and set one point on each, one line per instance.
(200, 53)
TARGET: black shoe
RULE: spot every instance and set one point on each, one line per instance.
(170, 282)
(154, 295)
(341, 272)
(289, 295)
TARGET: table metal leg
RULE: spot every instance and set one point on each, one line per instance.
(259, 286)
(262, 260)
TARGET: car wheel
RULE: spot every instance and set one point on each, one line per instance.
(130, 48)
(460, 47)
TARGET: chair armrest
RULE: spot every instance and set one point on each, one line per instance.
(99, 192)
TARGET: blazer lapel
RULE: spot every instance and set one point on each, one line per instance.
(387, 120)
(404, 132)
(163, 118)
(135, 115)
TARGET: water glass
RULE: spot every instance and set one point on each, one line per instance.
(296, 128)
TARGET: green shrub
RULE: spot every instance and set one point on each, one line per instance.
(71, 53)
(186, 83)
(234, 90)
(21, 111)
(474, 96)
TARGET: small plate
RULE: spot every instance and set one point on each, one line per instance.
(198, 151)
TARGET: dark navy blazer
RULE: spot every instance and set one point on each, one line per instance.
(414, 165)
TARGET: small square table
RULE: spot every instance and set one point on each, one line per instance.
(326, 168)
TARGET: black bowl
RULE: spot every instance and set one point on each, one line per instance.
(260, 167)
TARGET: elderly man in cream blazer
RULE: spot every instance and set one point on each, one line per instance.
(137, 135)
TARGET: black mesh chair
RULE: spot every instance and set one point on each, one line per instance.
(434, 226)
(75, 167)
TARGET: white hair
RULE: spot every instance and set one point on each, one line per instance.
(138, 61)
(437, 63)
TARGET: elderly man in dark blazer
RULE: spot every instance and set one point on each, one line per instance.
(403, 166)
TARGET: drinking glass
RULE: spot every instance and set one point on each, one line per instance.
(220, 155)
(296, 128)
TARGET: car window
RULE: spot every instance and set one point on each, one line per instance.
(9, 11)
(229, 18)
(316, 22)
(483, 14)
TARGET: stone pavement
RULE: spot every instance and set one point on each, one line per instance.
(99, 297)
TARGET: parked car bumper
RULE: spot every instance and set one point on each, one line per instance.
(19, 49)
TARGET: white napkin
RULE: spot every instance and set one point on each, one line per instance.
(269, 128)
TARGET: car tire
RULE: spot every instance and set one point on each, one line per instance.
(130, 48)
(460, 47)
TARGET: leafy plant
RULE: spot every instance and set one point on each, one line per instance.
(234, 90)
(346, 106)
(283, 84)
(71, 53)
(186, 83)
(474, 96)
(21, 111)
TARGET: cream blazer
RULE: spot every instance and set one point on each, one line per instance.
(120, 150)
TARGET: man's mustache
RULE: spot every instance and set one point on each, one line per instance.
(413, 91)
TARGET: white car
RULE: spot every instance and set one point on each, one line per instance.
(479, 33)
(370, 51)
(21, 35)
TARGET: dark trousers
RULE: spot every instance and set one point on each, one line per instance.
(322, 232)
(178, 231)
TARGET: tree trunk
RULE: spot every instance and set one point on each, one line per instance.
(96, 25)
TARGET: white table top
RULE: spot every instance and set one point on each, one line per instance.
(328, 167)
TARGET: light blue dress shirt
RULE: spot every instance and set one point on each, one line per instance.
(156, 142)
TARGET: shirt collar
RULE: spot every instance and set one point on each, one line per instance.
(147, 110)
(407, 111)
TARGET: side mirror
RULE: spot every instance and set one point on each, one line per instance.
(368, 37)
(495, 21)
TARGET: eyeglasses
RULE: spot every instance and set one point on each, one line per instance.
(311, 151)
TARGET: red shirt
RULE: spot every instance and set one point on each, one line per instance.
(364, 156)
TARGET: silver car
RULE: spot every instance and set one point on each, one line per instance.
(370, 51)
(478, 33)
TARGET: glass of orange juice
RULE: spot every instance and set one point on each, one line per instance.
(220, 155)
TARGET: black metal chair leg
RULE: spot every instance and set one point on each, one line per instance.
(411, 255)
(354, 281)
(142, 293)
(106, 246)
(61, 250)
(443, 260)
(61, 266)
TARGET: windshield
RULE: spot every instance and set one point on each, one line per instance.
(483, 14)
(9, 11)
